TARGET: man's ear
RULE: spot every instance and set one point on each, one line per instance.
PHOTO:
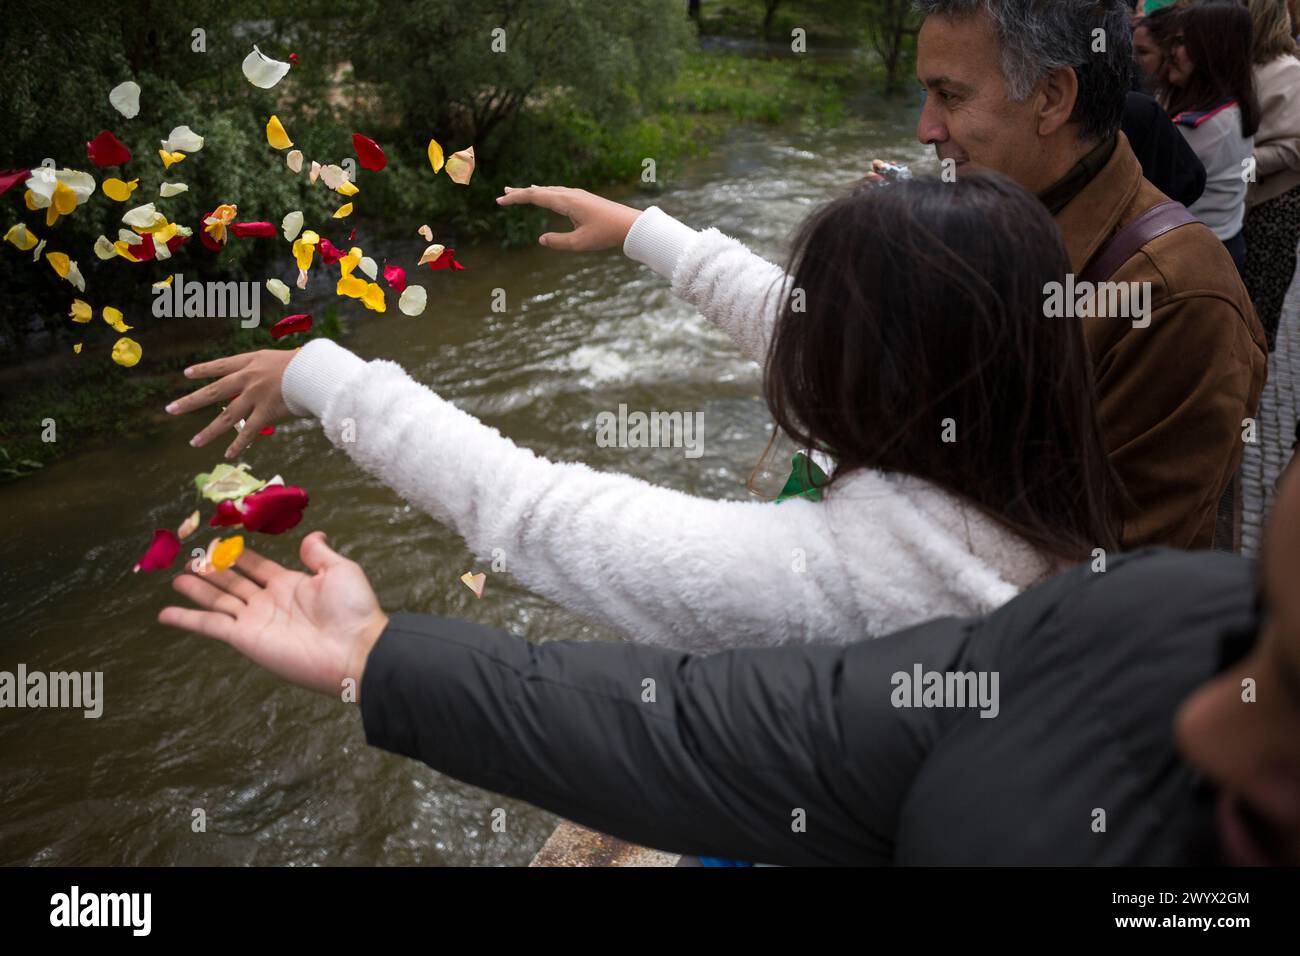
(1057, 95)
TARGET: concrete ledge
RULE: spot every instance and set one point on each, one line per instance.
(572, 845)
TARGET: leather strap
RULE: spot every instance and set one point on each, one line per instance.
(1151, 225)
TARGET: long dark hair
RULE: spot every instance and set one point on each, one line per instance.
(1218, 38)
(924, 301)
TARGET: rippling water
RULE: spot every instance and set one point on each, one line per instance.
(283, 776)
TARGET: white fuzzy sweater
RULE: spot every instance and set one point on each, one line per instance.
(880, 553)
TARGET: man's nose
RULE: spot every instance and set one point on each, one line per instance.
(930, 128)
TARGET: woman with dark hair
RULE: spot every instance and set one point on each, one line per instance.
(1210, 94)
(1272, 228)
(917, 352)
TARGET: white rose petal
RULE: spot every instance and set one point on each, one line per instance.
(167, 190)
(370, 268)
(104, 249)
(294, 160)
(413, 300)
(333, 176)
(125, 98)
(262, 71)
(36, 253)
(302, 278)
(183, 140)
(278, 289)
(160, 249)
(431, 253)
(74, 276)
(143, 217)
(292, 225)
(129, 237)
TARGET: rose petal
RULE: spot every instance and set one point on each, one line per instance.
(426, 232)
(446, 260)
(184, 140)
(144, 217)
(268, 430)
(276, 137)
(227, 482)
(275, 509)
(474, 582)
(329, 253)
(170, 159)
(354, 287)
(252, 229)
(413, 300)
(115, 319)
(81, 311)
(125, 98)
(19, 236)
(59, 262)
(227, 516)
(370, 267)
(104, 249)
(226, 552)
(107, 150)
(278, 289)
(343, 211)
(74, 276)
(460, 166)
(333, 176)
(290, 325)
(188, 526)
(126, 352)
(431, 254)
(119, 191)
(294, 160)
(368, 152)
(168, 190)
(77, 348)
(395, 276)
(292, 225)
(347, 188)
(262, 71)
(161, 552)
(12, 178)
(302, 278)
(315, 171)
(435, 155)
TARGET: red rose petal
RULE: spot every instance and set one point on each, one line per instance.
(274, 509)
(396, 277)
(227, 516)
(351, 235)
(290, 325)
(293, 58)
(245, 229)
(446, 261)
(161, 553)
(12, 177)
(209, 243)
(107, 150)
(329, 253)
(368, 152)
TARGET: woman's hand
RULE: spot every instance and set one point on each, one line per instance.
(252, 381)
(597, 223)
(313, 630)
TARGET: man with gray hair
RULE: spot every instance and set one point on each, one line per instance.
(1035, 90)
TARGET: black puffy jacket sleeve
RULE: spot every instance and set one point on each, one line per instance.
(775, 755)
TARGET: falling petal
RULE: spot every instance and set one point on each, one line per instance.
(315, 171)
(354, 287)
(349, 262)
(114, 318)
(268, 430)
(226, 552)
(81, 311)
(446, 260)
(104, 249)
(460, 166)
(278, 289)
(431, 254)
(125, 98)
(188, 526)
(302, 278)
(36, 253)
(75, 277)
(276, 137)
(168, 190)
(161, 552)
(170, 159)
(126, 352)
(475, 582)
(184, 140)
(252, 229)
(20, 237)
(343, 211)
(165, 283)
(413, 300)
(333, 176)
(107, 150)
(227, 482)
(11, 178)
(292, 225)
(373, 298)
(119, 191)
(352, 235)
(369, 153)
(395, 276)
(426, 232)
(347, 188)
(329, 253)
(435, 155)
(294, 160)
(262, 71)
(290, 325)
(77, 348)
(370, 267)
(129, 237)
(60, 263)
(144, 217)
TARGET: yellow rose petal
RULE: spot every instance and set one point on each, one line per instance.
(77, 348)
(276, 137)
(435, 155)
(29, 200)
(303, 253)
(20, 237)
(460, 166)
(374, 298)
(343, 211)
(170, 159)
(60, 262)
(165, 283)
(119, 191)
(114, 318)
(126, 352)
(227, 552)
(347, 188)
(353, 287)
(81, 311)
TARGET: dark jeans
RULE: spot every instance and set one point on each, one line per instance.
(1236, 247)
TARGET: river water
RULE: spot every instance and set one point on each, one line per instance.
(284, 777)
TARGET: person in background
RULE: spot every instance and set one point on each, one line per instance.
(1149, 51)
(1168, 162)
(1210, 95)
(1272, 226)
(1164, 690)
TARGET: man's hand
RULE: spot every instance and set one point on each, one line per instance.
(313, 630)
(597, 223)
(252, 380)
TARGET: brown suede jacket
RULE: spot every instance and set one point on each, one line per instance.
(1172, 396)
